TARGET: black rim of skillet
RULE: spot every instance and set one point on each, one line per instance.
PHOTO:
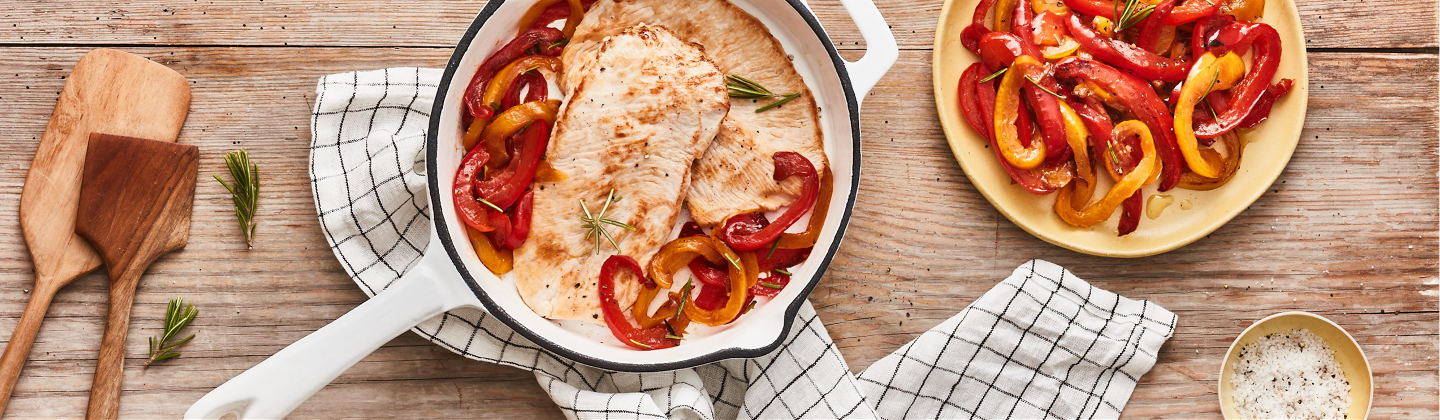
(440, 221)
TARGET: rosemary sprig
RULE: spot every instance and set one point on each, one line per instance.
(1131, 15)
(742, 88)
(1206, 96)
(992, 76)
(596, 222)
(177, 316)
(245, 193)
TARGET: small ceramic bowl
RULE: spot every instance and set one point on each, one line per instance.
(1347, 353)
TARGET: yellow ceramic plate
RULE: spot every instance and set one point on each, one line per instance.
(1193, 215)
(1347, 353)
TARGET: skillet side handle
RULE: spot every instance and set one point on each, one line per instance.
(881, 50)
(279, 384)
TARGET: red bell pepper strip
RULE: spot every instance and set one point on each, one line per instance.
(1191, 11)
(539, 90)
(999, 49)
(1264, 65)
(1262, 107)
(1140, 99)
(648, 338)
(970, 36)
(969, 104)
(1204, 28)
(787, 164)
(506, 185)
(470, 209)
(1130, 213)
(520, 220)
(1150, 32)
(541, 39)
(1129, 57)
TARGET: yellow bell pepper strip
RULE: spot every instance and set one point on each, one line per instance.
(1246, 10)
(507, 124)
(1004, 12)
(1007, 110)
(679, 252)
(811, 234)
(1209, 74)
(1098, 211)
(1234, 149)
(499, 261)
(642, 338)
(1077, 135)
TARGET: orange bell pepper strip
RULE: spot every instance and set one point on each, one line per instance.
(1096, 212)
(811, 234)
(1234, 148)
(1209, 74)
(1078, 136)
(507, 124)
(1007, 110)
(679, 252)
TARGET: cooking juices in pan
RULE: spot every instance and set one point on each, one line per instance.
(509, 114)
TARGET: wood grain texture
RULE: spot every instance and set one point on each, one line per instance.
(135, 206)
(107, 91)
(1349, 231)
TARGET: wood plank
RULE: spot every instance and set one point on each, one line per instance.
(1347, 24)
(913, 257)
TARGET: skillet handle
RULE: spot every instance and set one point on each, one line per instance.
(881, 51)
(279, 384)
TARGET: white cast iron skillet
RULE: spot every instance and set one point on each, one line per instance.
(450, 276)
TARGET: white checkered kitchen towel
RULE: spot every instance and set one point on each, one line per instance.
(1041, 344)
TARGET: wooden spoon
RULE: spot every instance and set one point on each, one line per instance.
(107, 91)
(135, 203)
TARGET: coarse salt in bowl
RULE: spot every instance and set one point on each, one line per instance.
(1297, 328)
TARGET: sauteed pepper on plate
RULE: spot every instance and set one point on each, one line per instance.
(1138, 89)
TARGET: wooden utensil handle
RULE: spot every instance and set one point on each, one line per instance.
(18, 350)
(110, 369)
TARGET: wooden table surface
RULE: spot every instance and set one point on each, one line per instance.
(1349, 231)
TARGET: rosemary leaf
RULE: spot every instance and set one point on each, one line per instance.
(992, 76)
(674, 337)
(244, 193)
(1037, 84)
(776, 104)
(770, 285)
(733, 261)
(177, 316)
(782, 271)
(640, 344)
(491, 205)
(773, 245)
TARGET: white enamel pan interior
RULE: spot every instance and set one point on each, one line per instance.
(450, 276)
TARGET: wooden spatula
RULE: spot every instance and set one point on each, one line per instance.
(135, 203)
(108, 91)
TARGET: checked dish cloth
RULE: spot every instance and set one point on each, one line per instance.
(1040, 344)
